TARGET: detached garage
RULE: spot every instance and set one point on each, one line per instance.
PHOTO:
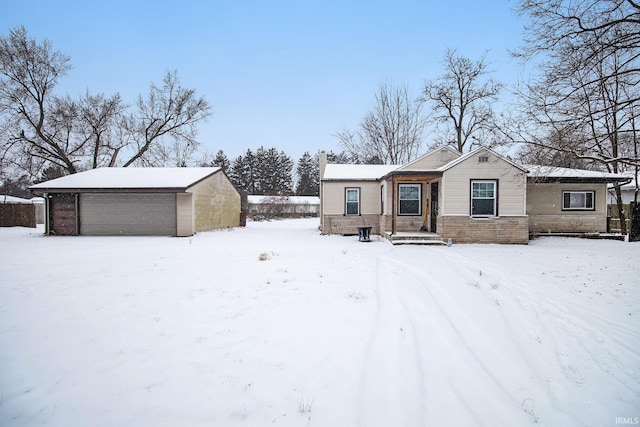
(140, 201)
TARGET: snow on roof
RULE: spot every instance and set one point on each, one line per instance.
(13, 199)
(631, 185)
(356, 172)
(113, 178)
(539, 171)
(298, 200)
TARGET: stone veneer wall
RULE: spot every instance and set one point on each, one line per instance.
(348, 225)
(464, 229)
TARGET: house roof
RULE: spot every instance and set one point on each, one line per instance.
(350, 172)
(475, 152)
(409, 166)
(4, 198)
(129, 178)
(558, 174)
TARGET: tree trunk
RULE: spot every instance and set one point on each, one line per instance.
(620, 207)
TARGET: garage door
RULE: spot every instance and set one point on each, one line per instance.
(128, 214)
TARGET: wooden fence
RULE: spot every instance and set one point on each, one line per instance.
(17, 215)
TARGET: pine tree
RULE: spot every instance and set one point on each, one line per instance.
(243, 173)
(274, 171)
(307, 172)
(221, 160)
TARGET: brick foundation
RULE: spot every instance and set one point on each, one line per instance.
(464, 229)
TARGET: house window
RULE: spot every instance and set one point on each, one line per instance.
(352, 201)
(409, 199)
(483, 198)
(578, 200)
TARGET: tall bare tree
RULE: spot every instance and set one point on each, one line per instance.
(461, 100)
(168, 112)
(29, 71)
(391, 133)
(41, 129)
(587, 80)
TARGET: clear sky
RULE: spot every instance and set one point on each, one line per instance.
(285, 74)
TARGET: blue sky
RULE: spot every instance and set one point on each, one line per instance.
(285, 74)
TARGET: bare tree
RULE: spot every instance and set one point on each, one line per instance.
(98, 120)
(461, 100)
(40, 129)
(587, 82)
(168, 111)
(28, 74)
(391, 133)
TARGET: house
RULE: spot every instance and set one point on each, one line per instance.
(561, 200)
(140, 201)
(478, 197)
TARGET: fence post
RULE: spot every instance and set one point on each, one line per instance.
(634, 230)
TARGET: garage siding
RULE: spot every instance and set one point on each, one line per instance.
(128, 214)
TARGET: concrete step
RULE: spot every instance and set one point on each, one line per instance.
(417, 238)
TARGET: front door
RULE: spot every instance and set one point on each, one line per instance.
(434, 207)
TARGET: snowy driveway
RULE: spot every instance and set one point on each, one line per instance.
(277, 325)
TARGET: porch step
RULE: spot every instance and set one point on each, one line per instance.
(417, 238)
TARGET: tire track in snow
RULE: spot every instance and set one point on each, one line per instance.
(568, 334)
(451, 345)
(390, 389)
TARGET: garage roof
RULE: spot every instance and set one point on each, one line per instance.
(129, 178)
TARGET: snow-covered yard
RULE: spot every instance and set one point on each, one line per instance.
(277, 325)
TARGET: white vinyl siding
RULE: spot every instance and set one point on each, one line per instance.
(511, 194)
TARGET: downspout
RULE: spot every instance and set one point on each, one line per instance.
(393, 205)
(47, 215)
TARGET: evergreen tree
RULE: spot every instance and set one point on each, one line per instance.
(307, 172)
(243, 173)
(221, 160)
(274, 172)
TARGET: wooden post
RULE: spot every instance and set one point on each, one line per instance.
(634, 232)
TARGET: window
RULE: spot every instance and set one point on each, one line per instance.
(409, 199)
(352, 201)
(578, 200)
(483, 198)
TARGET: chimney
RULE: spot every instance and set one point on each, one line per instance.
(323, 162)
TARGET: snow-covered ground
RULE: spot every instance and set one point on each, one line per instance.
(275, 324)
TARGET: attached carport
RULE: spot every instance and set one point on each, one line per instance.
(140, 201)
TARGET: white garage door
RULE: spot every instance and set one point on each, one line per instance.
(128, 214)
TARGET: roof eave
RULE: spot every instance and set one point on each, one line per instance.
(573, 180)
(110, 190)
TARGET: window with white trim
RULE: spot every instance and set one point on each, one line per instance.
(578, 200)
(484, 198)
(352, 201)
(409, 199)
